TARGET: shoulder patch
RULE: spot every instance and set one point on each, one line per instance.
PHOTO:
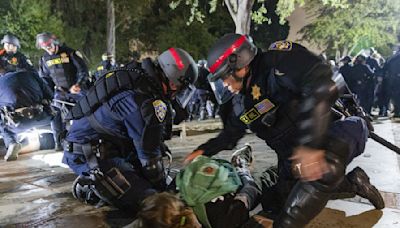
(79, 54)
(160, 109)
(282, 45)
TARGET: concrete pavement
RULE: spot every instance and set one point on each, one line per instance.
(35, 190)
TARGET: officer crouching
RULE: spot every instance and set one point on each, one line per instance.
(115, 143)
(24, 103)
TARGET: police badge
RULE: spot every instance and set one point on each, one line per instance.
(160, 109)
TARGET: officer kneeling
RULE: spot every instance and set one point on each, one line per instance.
(115, 143)
(25, 104)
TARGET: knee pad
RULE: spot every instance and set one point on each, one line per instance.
(336, 155)
(303, 204)
(334, 177)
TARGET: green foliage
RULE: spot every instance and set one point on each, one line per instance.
(362, 24)
(25, 19)
(266, 33)
(197, 41)
(164, 28)
(284, 8)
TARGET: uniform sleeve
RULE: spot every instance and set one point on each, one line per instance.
(81, 68)
(310, 80)
(227, 139)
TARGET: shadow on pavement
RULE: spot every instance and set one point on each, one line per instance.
(337, 219)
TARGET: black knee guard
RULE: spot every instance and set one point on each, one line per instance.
(303, 204)
(153, 171)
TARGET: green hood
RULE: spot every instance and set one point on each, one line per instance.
(205, 179)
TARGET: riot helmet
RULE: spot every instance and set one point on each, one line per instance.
(181, 70)
(45, 40)
(11, 39)
(232, 52)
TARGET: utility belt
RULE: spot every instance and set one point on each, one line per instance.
(94, 151)
(13, 117)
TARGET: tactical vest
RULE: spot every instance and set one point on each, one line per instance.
(270, 105)
(113, 82)
(61, 68)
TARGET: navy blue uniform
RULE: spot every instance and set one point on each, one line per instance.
(364, 88)
(392, 72)
(61, 71)
(345, 70)
(286, 101)
(15, 61)
(20, 90)
(132, 124)
(128, 121)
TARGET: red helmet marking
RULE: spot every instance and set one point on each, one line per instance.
(177, 59)
(46, 43)
(227, 53)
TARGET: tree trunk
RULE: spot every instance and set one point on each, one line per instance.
(240, 11)
(111, 28)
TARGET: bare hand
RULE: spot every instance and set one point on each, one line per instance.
(310, 164)
(75, 89)
(189, 158)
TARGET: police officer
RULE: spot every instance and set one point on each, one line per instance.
(24, 103)
(15, 60)
(64, 69)
(365, 83)
(345, 70)
(119, 127)
(392, 73)
(372, 62)
(285, 95)
(107, 63)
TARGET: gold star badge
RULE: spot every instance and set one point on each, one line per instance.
(255, 91)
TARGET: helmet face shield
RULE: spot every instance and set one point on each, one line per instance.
(231, 53)
(222, 94)
(46, 41)
(221, 74)
(183, 96)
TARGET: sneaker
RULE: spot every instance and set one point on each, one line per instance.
(242, 157)
(364, 188)
(12, 152)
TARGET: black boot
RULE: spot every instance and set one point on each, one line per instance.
(363, 187)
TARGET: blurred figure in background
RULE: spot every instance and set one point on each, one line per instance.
(14, 59)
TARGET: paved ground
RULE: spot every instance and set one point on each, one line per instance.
(35, 190)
